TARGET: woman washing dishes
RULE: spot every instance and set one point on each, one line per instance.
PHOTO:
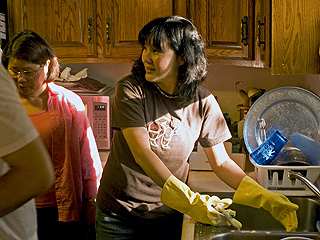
(160, 111)
(67, 209)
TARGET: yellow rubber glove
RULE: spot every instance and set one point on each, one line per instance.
(250, 193)
(202, 208)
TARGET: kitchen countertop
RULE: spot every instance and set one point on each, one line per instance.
(207, 181)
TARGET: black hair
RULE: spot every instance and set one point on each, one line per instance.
(29, 46)
(184, 38)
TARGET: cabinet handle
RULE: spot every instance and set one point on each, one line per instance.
(108, 30)
(90, 30)
(260, 24)
(244, 30)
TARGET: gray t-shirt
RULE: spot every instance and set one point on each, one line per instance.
(125, 190)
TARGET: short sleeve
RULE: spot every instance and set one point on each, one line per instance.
(214, 128)
(128, 106)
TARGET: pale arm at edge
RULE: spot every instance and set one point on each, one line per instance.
(31, 174)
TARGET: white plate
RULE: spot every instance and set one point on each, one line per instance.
(286, 109)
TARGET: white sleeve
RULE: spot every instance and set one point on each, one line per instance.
(16, 128)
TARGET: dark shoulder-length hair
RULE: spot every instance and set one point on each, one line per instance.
(29, 46)
(184, 38)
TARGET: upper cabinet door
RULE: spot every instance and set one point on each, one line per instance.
(295, 37)
(121, 21)
(69, 26)
(226, 27)
(262, 33)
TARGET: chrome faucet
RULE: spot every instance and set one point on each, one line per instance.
(297, 175)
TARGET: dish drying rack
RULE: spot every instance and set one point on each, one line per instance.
(275, 178)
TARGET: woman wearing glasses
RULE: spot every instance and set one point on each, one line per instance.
(60, 117)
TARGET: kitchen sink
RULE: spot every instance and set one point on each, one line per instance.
(259, 224)
(266, 236)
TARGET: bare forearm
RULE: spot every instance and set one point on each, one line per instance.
(230, 173)
(225, 168)
(153, 167)
(138, 141)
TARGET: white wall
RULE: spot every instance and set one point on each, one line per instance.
(220, 81)
(312, 82)
(108, 73)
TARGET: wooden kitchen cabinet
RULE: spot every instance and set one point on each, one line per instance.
(281, 35)
(107, 31)
(69, 26)
(121, 21)
(90, 30)
(262, 37)
(226, 27)
(295, 37)
(289, 36)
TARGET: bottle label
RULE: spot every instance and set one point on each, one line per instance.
(269, 149)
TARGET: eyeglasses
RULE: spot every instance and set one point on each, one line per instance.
(26, 74)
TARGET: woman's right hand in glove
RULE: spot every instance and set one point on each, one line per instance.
(202, 208)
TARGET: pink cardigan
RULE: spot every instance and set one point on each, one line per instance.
(75, 155)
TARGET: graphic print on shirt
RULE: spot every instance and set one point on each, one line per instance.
(163, 129)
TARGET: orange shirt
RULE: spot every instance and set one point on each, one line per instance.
(42, 122)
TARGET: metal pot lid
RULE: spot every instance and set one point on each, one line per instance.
(286, 109)
(291, 156)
